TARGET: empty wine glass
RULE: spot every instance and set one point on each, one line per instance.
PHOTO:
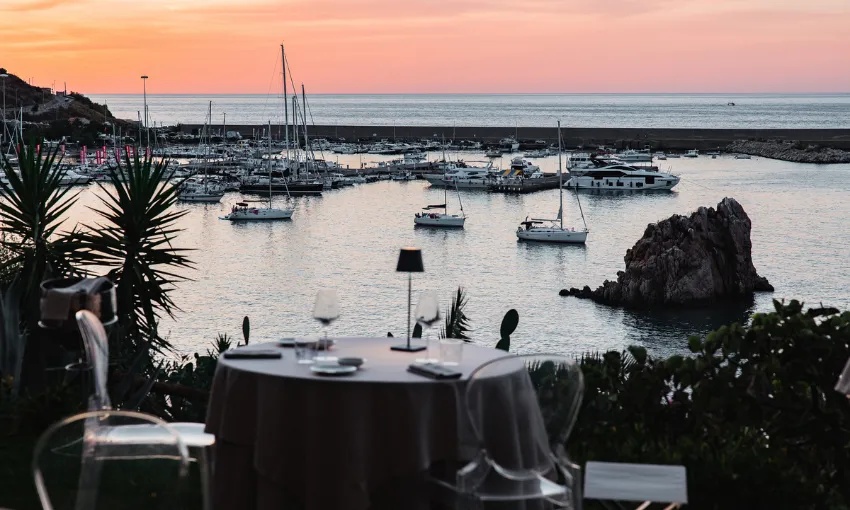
(427, 314)
(326, 310)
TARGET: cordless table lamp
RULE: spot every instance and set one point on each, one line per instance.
(409, 261)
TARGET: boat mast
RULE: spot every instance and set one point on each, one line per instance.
(304, 119)
(295, 136)
(270, 164)
(560, 179)
(206, 160)
(285, 103)
(459, 201)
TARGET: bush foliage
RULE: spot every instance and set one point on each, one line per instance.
(752, 413)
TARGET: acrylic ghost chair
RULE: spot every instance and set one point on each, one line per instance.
(192, 434)
(521, 410)
(81, 462)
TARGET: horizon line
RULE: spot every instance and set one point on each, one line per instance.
(833, 93)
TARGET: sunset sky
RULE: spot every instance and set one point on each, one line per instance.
(430, 46)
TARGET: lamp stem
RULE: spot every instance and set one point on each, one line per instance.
(409, 291)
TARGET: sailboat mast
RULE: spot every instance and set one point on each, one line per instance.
(295, 136)
(270, 164)
(285, 102)
(207, 150)
(304, 119)
(560, 179)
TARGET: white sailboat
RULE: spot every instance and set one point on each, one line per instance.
(202, 194)
(553, 231)
(444, 219)
(243, 211)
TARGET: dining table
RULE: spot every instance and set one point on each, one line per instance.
(287, 437)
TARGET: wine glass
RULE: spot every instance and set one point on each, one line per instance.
(326, 310)
(427, 314)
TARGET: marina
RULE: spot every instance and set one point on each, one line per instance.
(347, 237)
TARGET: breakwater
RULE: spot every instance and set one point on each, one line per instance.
(621, 138)
(797, 152)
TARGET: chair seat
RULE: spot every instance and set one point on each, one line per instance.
(611, 481)
(192, 434)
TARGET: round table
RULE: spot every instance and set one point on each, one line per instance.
(286, 435)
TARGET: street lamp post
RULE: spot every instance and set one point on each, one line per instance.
(145, 95)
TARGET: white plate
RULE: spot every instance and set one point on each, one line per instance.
(332, 369)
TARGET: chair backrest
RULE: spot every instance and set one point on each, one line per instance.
(109, 459)
(521, 404)
(96, 344)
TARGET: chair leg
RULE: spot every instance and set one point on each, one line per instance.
(205, 465)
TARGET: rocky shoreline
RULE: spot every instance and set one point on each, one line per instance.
(701, 259)
(796, 152)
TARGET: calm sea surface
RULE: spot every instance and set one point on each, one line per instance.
(573, 110)
(349, 239)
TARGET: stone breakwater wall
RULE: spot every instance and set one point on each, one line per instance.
(796, 151)
(659, 139)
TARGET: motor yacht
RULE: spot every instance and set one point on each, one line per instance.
(623, 178)
(633, 156)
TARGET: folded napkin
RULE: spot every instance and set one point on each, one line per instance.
(56, 301)
(433, 371)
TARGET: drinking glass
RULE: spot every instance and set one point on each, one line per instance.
(427, 314)
(325, 310)
(305, 350)
(451, 351)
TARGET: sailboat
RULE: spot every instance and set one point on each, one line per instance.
(194, 191)
(444, 219)
(553, 231)
(243, 211)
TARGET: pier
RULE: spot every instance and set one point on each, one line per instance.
(621, 138)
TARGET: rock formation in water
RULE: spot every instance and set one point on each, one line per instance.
(790, 151)
(682, 260)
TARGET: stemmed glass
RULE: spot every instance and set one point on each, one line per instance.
(326, 310)
(427, 314)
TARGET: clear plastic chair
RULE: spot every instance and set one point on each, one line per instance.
(78, 464)
(521, 410)
(97, 351)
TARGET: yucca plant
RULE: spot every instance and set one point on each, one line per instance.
(32, 206)
(135, 239)
(457, 323)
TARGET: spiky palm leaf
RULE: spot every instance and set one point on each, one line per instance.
(136, 240)
(32, 206)
(457, 323)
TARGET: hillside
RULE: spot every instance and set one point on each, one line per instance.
(39, 105)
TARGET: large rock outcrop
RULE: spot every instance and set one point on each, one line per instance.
(683, 260)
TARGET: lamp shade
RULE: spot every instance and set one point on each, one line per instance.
(410, 261)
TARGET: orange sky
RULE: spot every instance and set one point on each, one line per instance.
(385, 46)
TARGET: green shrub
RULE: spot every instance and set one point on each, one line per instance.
(752, 414)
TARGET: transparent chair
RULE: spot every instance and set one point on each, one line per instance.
(521, 410)
(191, 434)
(78, 464)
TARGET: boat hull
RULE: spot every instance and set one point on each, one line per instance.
(296, 190)
(259, 215)
(467, 183)
(622, 183)
(205, 199)
(552, 235)
(440, 220)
